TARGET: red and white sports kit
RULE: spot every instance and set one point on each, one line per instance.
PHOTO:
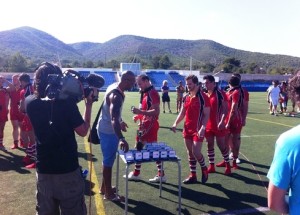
(149, 124)
(215, 99)
(3, 104)
(14, 111)
(3, 113)
(236, 96)
(194, 107)
(245, 94)
(26, 91)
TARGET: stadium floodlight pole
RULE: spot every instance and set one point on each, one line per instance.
(218, 72)
(59, 62)
(191, 59)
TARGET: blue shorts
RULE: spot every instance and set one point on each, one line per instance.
(109, 145)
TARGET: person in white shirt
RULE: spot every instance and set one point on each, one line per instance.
(273, 97)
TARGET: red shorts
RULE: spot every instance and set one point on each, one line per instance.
(3, 116)
(194, 137)
(26, 124)
(150, 132)
(235, 128)
(216, 133)
(16, 115)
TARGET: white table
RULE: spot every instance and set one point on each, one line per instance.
(120, 154)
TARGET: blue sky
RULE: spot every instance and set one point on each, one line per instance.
(268, 26)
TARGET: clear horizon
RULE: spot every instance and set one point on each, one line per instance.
(257, 26)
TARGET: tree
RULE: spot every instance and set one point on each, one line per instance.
(75, 64)
(17, 63)
(99, 64)
(113, 64)
(231, 65)
(207, 68)
(161, 62)
(88, 64)
(155, 62)
(164, 62)
(65, 63)
(232, 61)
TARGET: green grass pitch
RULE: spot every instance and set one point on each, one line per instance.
(244, 192)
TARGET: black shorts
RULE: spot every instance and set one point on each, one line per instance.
(165, 98)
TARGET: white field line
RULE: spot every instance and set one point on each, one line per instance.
(261, 135)
(271, 122)
(243, 211)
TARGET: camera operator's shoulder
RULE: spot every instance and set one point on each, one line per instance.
(30, 101)
(68, 102)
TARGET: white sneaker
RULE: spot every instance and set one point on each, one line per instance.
(156, 179)
(231, 158)
(132, 177)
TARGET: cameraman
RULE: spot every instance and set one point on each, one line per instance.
(60, 185)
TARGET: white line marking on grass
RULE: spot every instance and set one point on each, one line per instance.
(276, 123)
(253, 167)
(93, 180)
(243, 211)
(246, 210)
(261, 135)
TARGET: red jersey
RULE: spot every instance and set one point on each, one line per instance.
(26, 91)
(216, 100)
(15, 100)
(149, 124)
(235, 95)
(194, 107)
(245, 94)
(3, 104)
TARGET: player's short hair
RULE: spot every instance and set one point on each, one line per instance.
(210, 78)
(24, 77)
(194, 79)
(234, 81)
(144, 77)
(237, 75)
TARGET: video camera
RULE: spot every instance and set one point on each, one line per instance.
(73, 85)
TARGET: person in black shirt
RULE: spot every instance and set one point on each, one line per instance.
(60, 185)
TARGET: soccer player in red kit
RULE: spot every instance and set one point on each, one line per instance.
(215, 127)
(4, 99)
(244, 110)
(195, 110)
(26, 127)
(16, 117)
(234, 122)
(147, 114)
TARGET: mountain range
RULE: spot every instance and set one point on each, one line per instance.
(40, 46)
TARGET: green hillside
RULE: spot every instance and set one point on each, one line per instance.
(37, 46)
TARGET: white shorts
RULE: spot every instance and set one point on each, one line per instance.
(274, 100)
